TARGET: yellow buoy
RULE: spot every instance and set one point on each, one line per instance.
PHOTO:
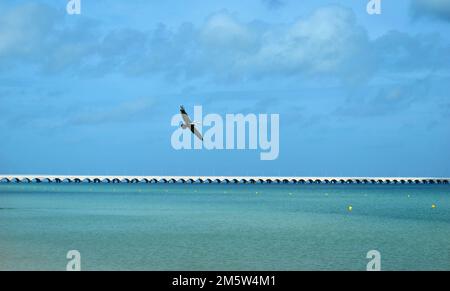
(433, 205)
(350, 208)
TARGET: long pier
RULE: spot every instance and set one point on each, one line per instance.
(219, 179)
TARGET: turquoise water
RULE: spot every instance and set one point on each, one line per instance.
(224, 227)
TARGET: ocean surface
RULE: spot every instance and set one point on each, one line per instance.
(224, 227)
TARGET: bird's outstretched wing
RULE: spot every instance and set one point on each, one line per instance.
(185, 116)
(196, 132)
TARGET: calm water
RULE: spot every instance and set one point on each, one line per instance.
(221, 227)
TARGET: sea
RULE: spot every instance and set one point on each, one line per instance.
(224, 227)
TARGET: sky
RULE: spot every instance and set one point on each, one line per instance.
(94, 94)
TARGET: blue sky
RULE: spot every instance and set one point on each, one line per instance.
(357, 94)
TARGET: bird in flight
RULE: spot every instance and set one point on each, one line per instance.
(189, 124)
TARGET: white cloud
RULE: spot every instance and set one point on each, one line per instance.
(222, 30)
(34, 34)
(327, 42)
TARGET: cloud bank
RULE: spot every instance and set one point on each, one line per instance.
(328, 43)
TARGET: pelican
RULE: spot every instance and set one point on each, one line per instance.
(189, 124)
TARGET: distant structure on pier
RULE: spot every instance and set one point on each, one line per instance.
(219, 179)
